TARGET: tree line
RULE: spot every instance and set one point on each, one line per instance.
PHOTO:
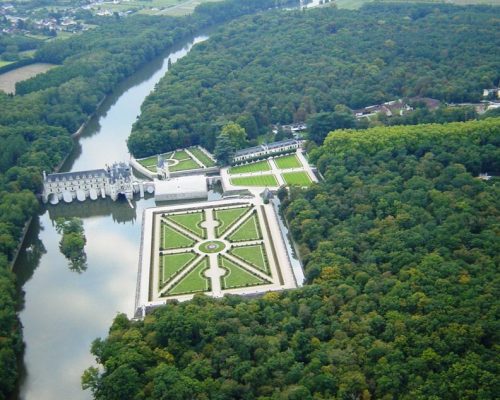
(35, 125)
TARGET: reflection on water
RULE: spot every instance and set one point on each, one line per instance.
(63, 311)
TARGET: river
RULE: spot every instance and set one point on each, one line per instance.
(65, 310)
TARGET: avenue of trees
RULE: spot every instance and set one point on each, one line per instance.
(284, 67)
(401, 251)
(36, 123)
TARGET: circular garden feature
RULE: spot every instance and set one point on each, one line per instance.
(212, 246)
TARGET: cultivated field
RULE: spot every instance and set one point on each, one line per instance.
(9, 79)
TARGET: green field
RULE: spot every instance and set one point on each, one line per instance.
(237, 276)
(259, 166)
(291, 161)
(297, 178)
(170, 264)
(200, 155)
(194, 281)
(227, 217)
(4, 63)
(190, 221)
(254, 255)
(260, 180)
(249, 230)
(172, 239)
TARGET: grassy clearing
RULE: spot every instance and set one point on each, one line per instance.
(259, 166)
(254, 255)
(249, 230)
(291, 161)
(172, 239)
(171, 264)
(237, 276)
(4, 63)
(228, 217)
(191, 222)
(260, 180)
(297, 178)
(194, 281)
(200, 155)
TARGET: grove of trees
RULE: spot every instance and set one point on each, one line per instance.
(281, 67)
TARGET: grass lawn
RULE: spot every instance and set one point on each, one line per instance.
(254, 255)
(170, 264)
(149, 162)
(194, 281)
(191, 222)
(4, 63)
(201, 156)
(181, 155)
(252, 167)
(228, 217)
(172, 239)
(297, 178)
(184, 165)
(237, 276)
(259, 180)
(290, 161)
(249, 230)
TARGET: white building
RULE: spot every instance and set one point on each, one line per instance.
(112, 181)
(266, 150)
(181, 188)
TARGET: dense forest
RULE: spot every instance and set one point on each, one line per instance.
(401, 248)
(35, 125)
(284, 67)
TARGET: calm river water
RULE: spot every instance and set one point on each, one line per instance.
(65, 310)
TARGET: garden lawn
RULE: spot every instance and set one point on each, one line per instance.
(191, 222)
(259, 180)
(297, 178)
(201, 156)
(172, 239)
(291, 161)
(194, 281)
(181, 155)
(248, 230)
(254, 255)
(227, 217)
(170, 264)
(237, 276)
(184, 165)
(259, 166)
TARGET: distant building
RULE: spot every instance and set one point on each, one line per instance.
(495, 92)
(67, 186)
(266, 150)
(484, 177)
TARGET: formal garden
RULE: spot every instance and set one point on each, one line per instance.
(198, 246)
(276, 171)
(180, 160)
